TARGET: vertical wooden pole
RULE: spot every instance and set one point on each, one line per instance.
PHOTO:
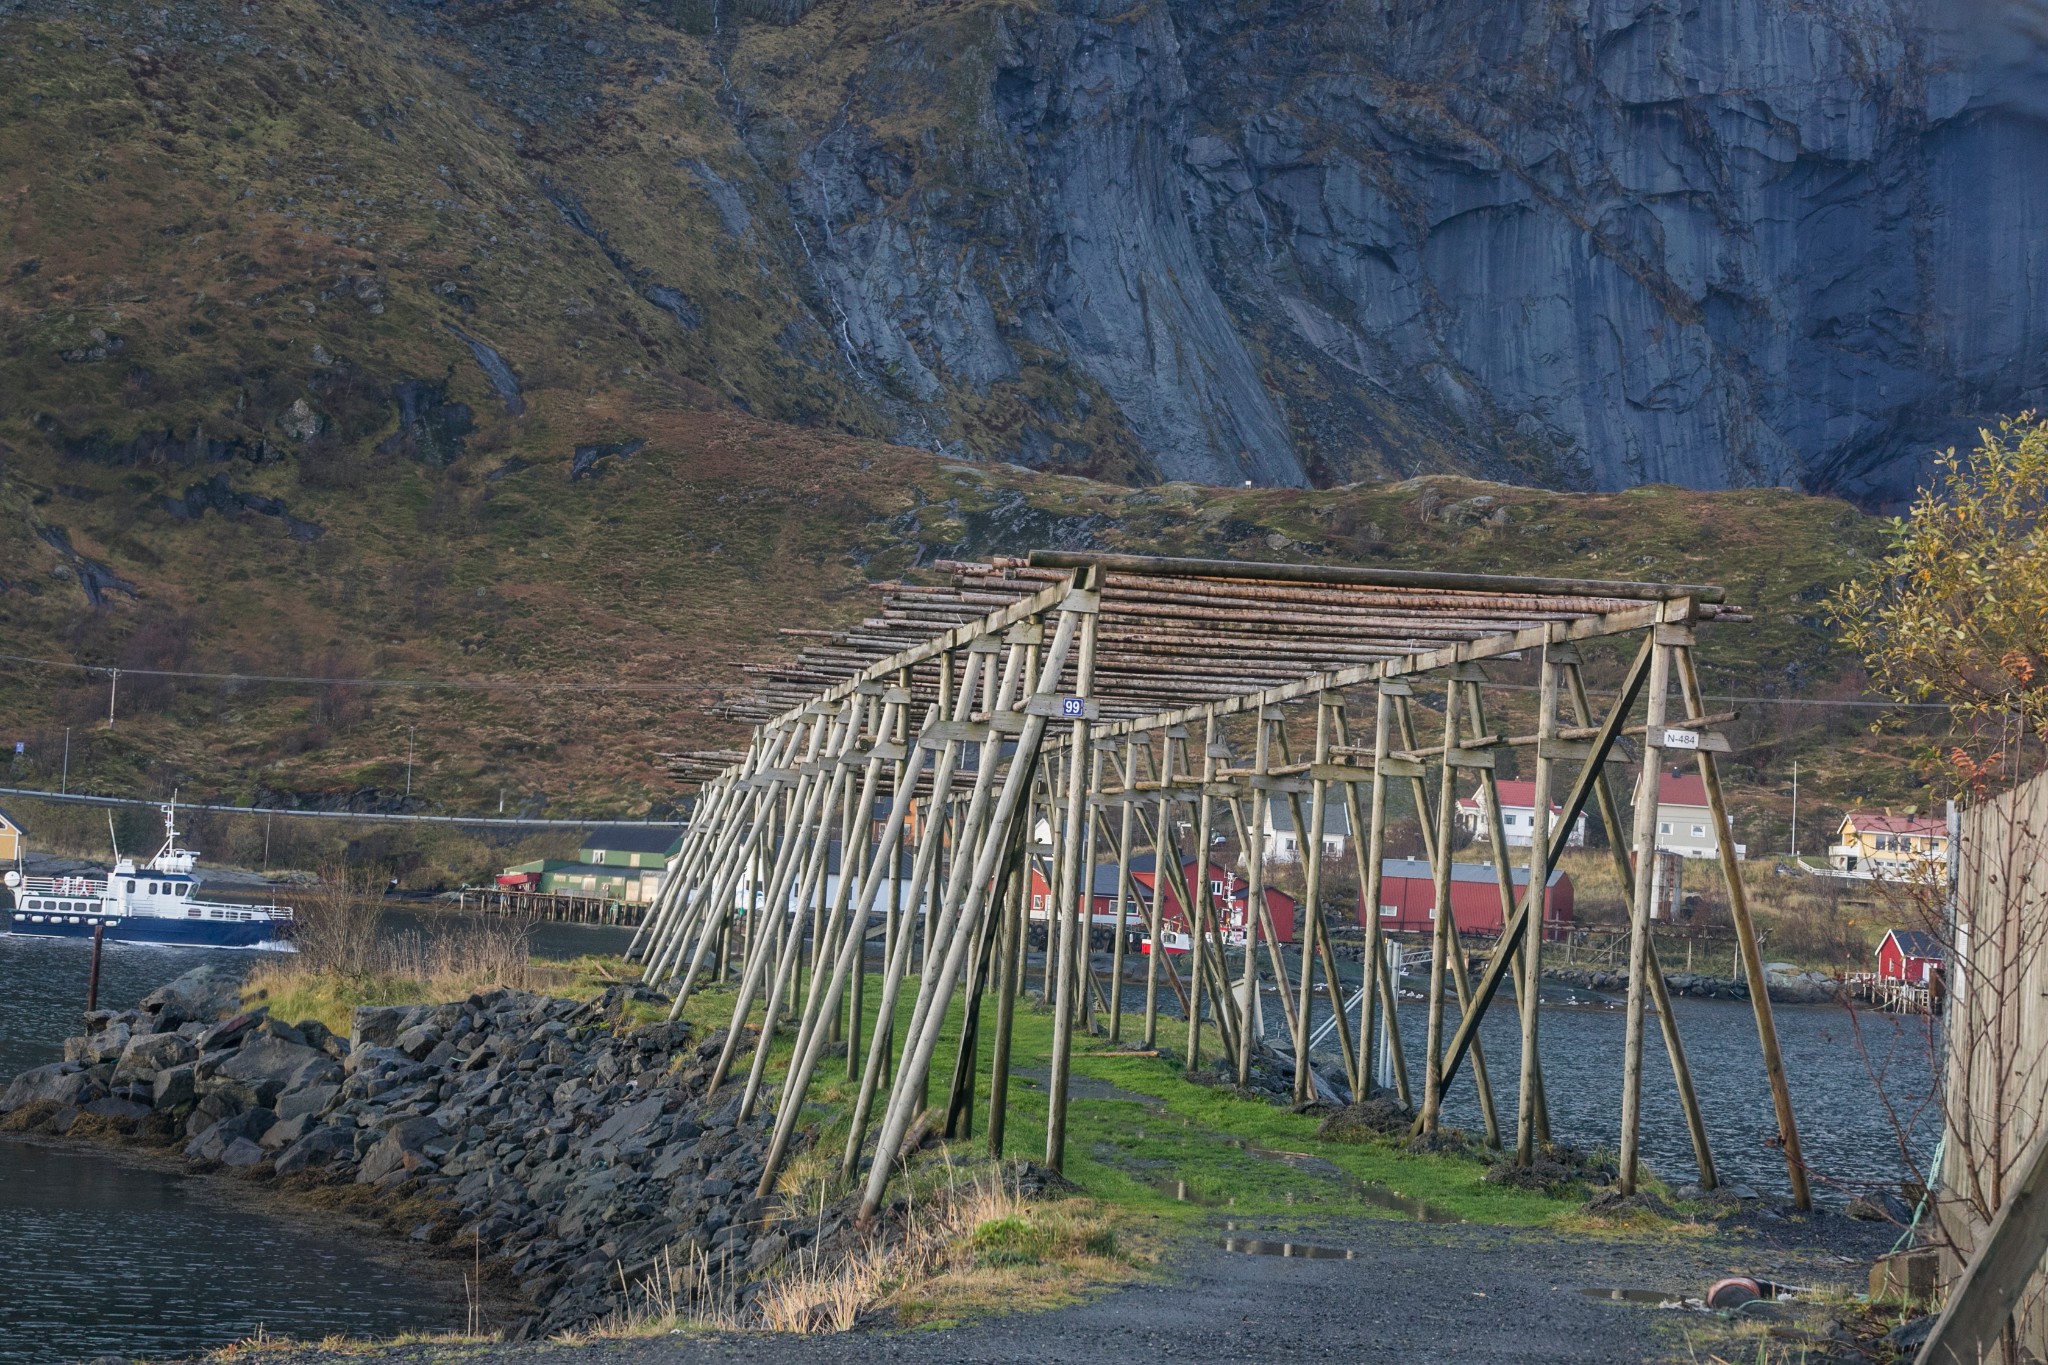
(1435, 835)
(1745, 934)
(1128, 801)
(1440, 940)
(1330, 723)
(1645, 842)
(1016, 920)
(1197, 910)
(1539, 886)
(1674, 1046)
(1084, 779)
(92, 976)
(1155, 948)
(1376, 982)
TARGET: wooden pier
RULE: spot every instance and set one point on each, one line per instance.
(493, 900)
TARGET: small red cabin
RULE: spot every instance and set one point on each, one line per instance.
(1911, 957)
(1408, 898)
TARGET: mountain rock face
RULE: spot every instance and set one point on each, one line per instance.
(1594, 244)
(1587, 245)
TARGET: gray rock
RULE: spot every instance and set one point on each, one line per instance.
(150, 1053)
(632, 1119)
(272, 1066)
(311, 1099)
(212, 1144)
(317, 1148)
(241, 1152)
(376, 1026)
(103, 1046)
(59, 1083)
(403, 1147)
(231, 1031)
(417, 1041)
(200, 995)
(286, 1131)
(174, 1087)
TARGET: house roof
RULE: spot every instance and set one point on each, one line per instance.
(1417, 869)
(1681, 789)
(1878, 822)
(10, 820)
(1336, 818)
(634, 838)
(1513, 796)
(1917, 943)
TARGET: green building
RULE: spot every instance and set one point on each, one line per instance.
(618, 862)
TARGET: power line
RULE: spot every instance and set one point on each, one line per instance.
(520, 685)
(425, 684)
(85, 799)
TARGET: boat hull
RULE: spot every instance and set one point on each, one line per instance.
(262, 935)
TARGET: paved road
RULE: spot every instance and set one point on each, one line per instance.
(1412, 1294)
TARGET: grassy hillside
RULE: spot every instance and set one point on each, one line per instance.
(317, 362)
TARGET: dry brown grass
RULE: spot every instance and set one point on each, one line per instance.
(1821, 922)
(460, 960)
(963, 1250)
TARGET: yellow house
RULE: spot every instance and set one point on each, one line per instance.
(10, 839)
(1890, 847)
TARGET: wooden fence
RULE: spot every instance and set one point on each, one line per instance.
(1995, 1090)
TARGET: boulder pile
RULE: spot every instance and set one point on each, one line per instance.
(566, 1151)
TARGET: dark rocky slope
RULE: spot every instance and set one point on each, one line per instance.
(1588, 245)
(564, 1153)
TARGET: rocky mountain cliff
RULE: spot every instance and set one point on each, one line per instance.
(1588, 245)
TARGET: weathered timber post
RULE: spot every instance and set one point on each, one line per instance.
(1674, 1046)
(1376, 982)
(1645, 842)
(930, 832)
(1016, 921)
(1197, 910)
(1745, 934)
(1128, 803)
(1440, 940)
(1078, 879)
(1434, 832)
(1539, 889)
(935, 989)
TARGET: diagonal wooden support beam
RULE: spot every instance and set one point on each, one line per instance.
(1582, 789)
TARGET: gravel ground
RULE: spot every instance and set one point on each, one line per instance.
(1412, 1293)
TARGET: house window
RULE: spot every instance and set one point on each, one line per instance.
(1507, 819)
(1664, 827)
(1389, 911)
(1215, 888)
(1699, 831)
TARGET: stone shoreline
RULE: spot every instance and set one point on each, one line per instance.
(1786, 988)
(564, 1151)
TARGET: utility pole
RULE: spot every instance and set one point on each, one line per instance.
(408, 762)
(64, 782)
(113, 688)
(1795, 808)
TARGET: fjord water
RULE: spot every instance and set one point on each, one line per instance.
(103, 1255)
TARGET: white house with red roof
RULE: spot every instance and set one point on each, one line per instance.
(1517, 815)
(1685, 823)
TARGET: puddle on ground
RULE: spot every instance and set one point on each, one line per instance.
(1300, 1251)
(1182, 1192)
(1422, 1211)
(1656, 1297)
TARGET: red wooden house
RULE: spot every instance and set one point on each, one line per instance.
(1912, 957)
(1174, 928)
(1408, 898)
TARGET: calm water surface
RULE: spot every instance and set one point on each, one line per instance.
(98, 1256)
